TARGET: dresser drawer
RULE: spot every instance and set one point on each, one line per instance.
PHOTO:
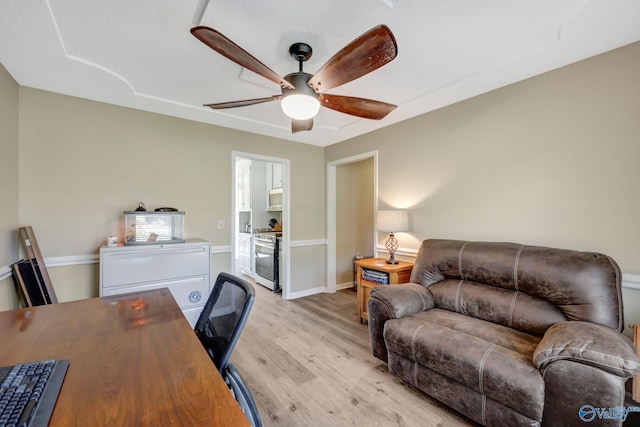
(189, 292)
(133, 265)
(192, 315)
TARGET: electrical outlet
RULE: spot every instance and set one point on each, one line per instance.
(221, 224)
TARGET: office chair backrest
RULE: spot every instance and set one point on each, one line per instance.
(223, 317)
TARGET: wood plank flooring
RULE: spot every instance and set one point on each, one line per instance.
(308, 363)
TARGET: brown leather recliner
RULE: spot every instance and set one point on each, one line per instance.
(509, 335)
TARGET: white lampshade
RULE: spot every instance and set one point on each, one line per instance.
(300, 106)
(392, 221)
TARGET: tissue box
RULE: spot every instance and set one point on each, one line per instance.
(152, 228)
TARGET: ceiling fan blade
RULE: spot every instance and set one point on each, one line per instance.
(365, 54)
(244, 103)
(361, 107)
(221, 44)
(301, 125)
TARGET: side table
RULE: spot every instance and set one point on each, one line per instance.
(635, 390)
(395, 273)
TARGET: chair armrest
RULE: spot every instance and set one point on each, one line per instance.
(589, 344)
(393, 302)
(403, 300)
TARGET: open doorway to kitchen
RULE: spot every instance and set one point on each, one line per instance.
(260, 220)
(352, 195)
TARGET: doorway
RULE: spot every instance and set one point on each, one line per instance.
(343, 241)
(255, 179)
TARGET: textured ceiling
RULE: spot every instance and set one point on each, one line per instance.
(140, 54)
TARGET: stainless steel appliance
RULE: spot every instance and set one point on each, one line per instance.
(266, 259)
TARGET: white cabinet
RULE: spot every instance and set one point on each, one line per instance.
(184, 268)
(243, 178)
(243, 254)
(274, 176)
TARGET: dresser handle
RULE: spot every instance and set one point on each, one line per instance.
(195, 296)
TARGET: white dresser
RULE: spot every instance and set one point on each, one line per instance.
(184, 268)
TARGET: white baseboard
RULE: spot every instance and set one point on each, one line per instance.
(347, 285)
(308, 292)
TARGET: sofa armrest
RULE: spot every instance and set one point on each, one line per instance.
(589, 344)
(393, 302)
(403, 300)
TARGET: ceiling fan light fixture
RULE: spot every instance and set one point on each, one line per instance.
(301, 103)
(299, 106)
(301, 99)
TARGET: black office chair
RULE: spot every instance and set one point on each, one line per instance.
(242, 395)
(223, 317)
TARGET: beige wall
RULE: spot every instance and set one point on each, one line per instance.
(81, 163)
(9, 298)
(354, 216)
(8, 168)
(552, 160)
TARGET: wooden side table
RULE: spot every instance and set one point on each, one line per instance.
(635, 391)
(397, 273)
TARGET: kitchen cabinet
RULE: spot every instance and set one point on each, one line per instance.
(183, 268)
(244, 254)
(243, 183)
(274, 176)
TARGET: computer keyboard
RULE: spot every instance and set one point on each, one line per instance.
(29, 391)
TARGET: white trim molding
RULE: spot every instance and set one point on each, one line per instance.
(346, 285)
(63, 261)
(222, 249)
(5, 272)
(382, 252)
(308, 292)
(631, 281)
(313, 242)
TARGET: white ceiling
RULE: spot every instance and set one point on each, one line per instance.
(140, 53)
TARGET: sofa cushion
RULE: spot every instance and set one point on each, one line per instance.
(504, 306)
(585, 286)
(491, 359)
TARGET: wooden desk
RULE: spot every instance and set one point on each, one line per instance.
(397, 273)
(134, 361)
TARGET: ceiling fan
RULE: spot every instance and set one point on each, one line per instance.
(303, 93)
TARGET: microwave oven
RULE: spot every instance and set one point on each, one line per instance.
(275, 200)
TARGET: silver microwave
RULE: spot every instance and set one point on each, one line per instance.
(275, 200)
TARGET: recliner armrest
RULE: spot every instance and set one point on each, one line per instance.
(589, 344)
(393, 302)
(403, 300)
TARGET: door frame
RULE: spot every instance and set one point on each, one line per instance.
(285, 275)
(332, 205)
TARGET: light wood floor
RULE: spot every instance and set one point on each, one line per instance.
(308, 363)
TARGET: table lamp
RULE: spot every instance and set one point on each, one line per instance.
(392, 221)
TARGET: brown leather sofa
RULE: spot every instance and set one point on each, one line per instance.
(509, 335)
